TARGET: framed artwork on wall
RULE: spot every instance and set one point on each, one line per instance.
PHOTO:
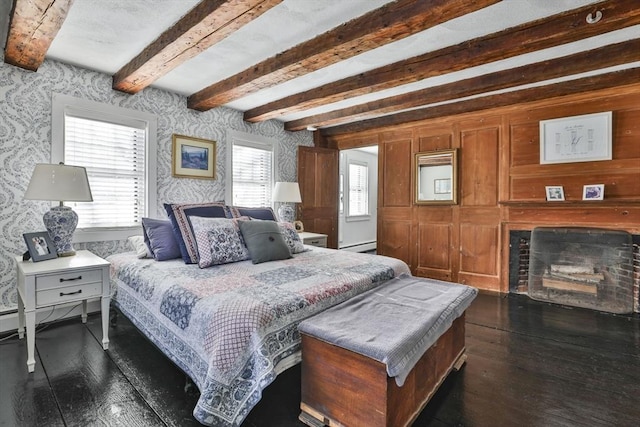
(193, 157)
(583, 138)
(593, 192)
(555, 193)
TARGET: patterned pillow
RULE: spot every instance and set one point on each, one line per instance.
(219, 241)
(179, 214)
(291, 237)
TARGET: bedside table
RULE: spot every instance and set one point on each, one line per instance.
(313, 239)
(58, 281)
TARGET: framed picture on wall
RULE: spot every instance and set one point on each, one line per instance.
(554, 193)
(593, 192)
(583, 138)
(193, 157)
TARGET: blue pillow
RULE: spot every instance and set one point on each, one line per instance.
(158, 235)
(255, 213)
(183, 231)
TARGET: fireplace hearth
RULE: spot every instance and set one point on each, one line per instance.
(582, 267)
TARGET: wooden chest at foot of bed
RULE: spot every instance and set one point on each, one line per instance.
(344, 388)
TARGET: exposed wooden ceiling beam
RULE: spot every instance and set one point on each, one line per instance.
(526, 38)
(33, 26)
(389, 23)
(595, 59)
(601, 81)
(203, 26)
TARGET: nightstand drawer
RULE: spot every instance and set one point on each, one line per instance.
(66, 293)
(316, 241)
(74, 278)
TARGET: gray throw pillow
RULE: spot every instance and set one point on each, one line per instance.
(264, 241)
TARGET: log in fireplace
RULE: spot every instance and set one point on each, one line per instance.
(582, 267)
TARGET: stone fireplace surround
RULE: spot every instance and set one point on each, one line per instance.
(519, 260)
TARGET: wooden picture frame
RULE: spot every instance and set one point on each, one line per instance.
(555, 193)
(40, 246)
(584, 138)
(593, 192)
(193, 157)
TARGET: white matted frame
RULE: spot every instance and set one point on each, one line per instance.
(584, 138)
(555, 193)
(593, 192)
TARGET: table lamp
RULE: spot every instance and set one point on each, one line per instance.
(286, 192)
(62, 183)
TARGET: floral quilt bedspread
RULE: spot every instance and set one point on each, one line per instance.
(232, 328)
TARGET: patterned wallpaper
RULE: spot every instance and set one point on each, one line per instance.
(25, 139)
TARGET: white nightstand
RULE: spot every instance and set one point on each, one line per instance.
(58, 281)
(313, 239)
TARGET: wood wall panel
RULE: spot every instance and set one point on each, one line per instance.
(502, 184)
(626, 135)
(434, 142)
(395, 239)
(479, 167)
(479, 249)
(396, 173)
(525, 144)
(618, 185)
(434, 246)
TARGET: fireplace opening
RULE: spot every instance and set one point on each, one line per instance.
(582, 267)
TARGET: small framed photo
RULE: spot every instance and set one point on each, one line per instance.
(298, 226)
(555, 193)
(593, 192)
(193, 157)
(40, 246)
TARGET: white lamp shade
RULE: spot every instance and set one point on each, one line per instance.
(59, 182)
(287, 192)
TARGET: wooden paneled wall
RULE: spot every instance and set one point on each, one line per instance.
(501, 185)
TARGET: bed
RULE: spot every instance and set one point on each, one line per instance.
(232, 328)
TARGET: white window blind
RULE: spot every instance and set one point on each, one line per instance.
(252, 175)
(114, 155)
(358, 190)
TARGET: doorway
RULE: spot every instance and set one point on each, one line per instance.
(358, 203)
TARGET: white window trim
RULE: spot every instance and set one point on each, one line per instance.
(62, 102)
(347, 217)
(251, 140)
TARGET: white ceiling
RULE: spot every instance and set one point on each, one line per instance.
(104, 35)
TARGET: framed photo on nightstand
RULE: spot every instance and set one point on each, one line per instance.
(40, 246)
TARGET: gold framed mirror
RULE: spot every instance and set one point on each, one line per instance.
(436, 177)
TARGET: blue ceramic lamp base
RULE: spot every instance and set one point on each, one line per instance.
(61, 222)
(286, 213)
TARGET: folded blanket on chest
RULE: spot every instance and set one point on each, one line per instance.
(395, 323)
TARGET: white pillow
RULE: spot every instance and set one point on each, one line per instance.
(138, 245)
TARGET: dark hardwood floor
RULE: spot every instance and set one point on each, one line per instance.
(529, 364)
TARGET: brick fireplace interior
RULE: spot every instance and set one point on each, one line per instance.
(576, 266)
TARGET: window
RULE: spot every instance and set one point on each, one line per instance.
(252, 170)
(117, 147)
(358, 190)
